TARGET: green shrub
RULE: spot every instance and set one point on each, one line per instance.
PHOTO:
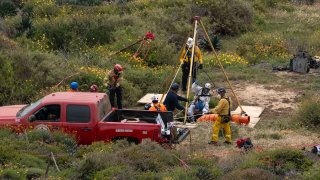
(309, 112)
(34, 173)
(6, 133)
(39, 135)
(95, 146)
(6, 154)
(249, 174)
(116, 172)
(284, 161)
(203, 173)
(226, 17)
(275, 136)
(256, 48)
(11, 174)
(66, 140)
(312, 173)
(31, 161)
(94, 162)
(7, 8)
(308, 2)
(148, 176)
(24, 74)
(148, 156)
(131, 93)
(80, 2)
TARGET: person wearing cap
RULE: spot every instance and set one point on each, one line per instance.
(223, 111)
(156, 106)
(113, 83)
(185, 58)
(172, 99)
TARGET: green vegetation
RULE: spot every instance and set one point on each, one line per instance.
(42, 42)
(120, 160)
(309, 113)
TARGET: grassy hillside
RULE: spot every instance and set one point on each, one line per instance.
(44, 42)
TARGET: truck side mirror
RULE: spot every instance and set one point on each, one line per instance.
(32, 118)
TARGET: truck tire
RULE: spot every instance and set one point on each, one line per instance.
(42, 127)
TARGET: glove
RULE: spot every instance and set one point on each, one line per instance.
(200, 66)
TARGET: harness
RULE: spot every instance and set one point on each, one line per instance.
(198, 102)
(189, 53)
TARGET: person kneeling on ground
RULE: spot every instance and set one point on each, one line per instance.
(223, 111)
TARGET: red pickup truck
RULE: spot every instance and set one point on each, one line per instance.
(89, 117)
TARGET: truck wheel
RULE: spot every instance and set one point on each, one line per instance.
(42, 127)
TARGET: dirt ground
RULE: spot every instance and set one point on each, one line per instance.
(266, 97)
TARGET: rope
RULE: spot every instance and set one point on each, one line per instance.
(177, 71)
(66, 78)
(221, 67)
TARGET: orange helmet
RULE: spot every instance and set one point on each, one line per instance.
(118, 67)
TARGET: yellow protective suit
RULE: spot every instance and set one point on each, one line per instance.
(221, 109)
(197, 55)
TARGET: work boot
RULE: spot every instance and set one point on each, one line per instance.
(227, 142)
(213, 143)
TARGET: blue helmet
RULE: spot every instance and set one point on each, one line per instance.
(74, 85)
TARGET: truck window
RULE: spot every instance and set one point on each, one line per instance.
(48, 113)
(78, 114)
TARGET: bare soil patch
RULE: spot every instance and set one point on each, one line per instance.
(270, 97)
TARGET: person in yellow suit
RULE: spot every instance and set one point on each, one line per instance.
(185, 58)
(223, 110)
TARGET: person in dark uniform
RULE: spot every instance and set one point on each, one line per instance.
(172, 99)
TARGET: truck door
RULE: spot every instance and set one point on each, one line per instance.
(80, 122)
(48, 117)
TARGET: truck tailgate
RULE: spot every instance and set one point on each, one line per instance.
(110, 130)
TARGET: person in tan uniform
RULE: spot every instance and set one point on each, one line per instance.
(113, 82)
(223, 110)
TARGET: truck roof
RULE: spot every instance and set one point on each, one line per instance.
(84, 97)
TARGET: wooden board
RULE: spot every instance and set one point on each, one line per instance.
(147, 98)
(253, 111)
(187, 125)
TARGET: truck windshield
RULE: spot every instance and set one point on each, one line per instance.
(25, 110)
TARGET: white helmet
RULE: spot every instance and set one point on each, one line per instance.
(154, 98)
(207, 85)
(190, 42)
